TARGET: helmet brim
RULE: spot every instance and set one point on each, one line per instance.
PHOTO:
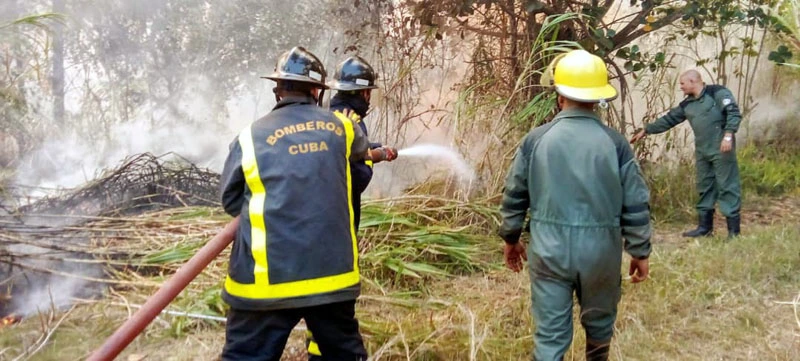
(294, 77)
(588, 95)
(341, 86)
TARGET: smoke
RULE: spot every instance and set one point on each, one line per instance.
(159, 77)
(187, 84)
(72, 159)
(53, 296)
(52, 293)
(39, 283)
(149, 76)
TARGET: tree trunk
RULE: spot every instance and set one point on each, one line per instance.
(57, 80)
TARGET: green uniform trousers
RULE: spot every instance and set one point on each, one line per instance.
(593, 276)
(718, 180)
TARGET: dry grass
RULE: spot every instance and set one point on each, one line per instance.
(707, 300)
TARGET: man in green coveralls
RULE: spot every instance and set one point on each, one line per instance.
(587, 201)
(714, 117)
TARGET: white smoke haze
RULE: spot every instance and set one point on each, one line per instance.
(127, 93)
(71, 160)
(196, 121)
(199, 122)
(143, 97)
(38, 292)
(57, 294)
(198, 125)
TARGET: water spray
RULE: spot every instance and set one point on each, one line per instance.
(459, 166)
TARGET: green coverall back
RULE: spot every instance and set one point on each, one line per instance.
(585, 193)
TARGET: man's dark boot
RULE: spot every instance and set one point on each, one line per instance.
(733, 226)
(597, 352)
(705, 225)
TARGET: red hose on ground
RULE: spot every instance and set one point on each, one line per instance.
(168, 291)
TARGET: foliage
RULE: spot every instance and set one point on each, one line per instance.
(787, 13)
(672, 195)
(739, 31)
(41, 21)
(766, 170)
(19, 36)
(602, 28)
(707, 297)
(512, 43)
(434, 238)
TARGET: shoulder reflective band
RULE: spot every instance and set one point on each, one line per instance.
(261, 288)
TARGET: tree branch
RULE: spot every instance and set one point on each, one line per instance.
(622, 39)
(630, 28)
(482, 31)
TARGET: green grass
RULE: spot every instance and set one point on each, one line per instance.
(672, 191)
(706, 300)
(709, 299)
(765, 170)
(417, 239)
(409, 246)
(769, 171)
(435, 288)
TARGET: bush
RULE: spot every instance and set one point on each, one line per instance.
(766, 169)
(769, 170)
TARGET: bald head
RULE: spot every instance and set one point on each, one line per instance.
(691, 83)
(692, 75)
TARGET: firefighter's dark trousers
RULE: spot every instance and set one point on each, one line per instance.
(262, 335)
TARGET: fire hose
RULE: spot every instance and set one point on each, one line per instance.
(125, 334)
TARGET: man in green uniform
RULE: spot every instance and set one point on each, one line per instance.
(714, 117)
(295, 255)
(587, 201)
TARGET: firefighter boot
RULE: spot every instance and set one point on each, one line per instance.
(733, 226)
(705, 225)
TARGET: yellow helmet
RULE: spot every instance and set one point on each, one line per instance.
(583, 77)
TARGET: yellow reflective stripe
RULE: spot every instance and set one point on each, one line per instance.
(368, 163)
(350, 137)
(313, 348)
(262, 289)
(258, 229)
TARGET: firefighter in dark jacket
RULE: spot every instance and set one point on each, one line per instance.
(354, 80)
(714, 116)
(295, 255)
